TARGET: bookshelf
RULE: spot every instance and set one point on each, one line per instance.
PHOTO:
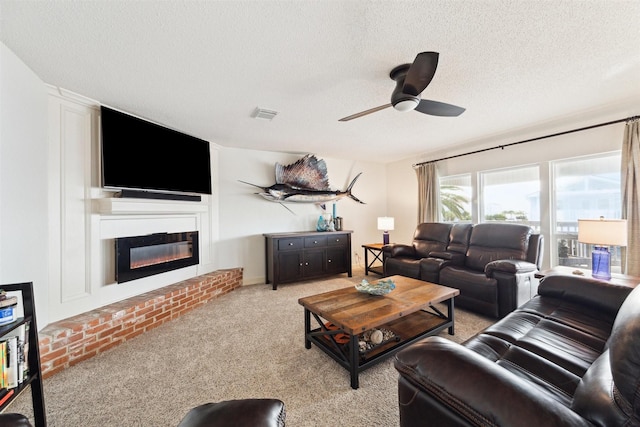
(33, 380)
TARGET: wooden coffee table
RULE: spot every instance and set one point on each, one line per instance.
(342, 315)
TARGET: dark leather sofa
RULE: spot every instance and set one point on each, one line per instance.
(228, 413)
(568, 357)
(492, 264)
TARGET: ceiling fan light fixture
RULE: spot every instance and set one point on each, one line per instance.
(406, 104)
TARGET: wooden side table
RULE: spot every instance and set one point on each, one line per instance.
(375, 249)
(616, 279)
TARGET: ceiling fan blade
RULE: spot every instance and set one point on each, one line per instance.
(435, 108)
(420, 73)
(364, 113)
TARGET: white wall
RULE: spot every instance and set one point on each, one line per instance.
(23, 178)
(245, 216)
(402, 178)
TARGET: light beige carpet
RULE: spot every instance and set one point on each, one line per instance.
(247, 344)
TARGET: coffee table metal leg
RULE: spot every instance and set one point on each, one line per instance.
(451, 316)
(353, 362)
(307, 328)
(366, 261)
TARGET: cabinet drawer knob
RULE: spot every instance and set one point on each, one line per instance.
(315, 242)
(306, 263)
(300, 264)
(290, 244)
(329, 260)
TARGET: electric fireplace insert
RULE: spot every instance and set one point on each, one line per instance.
(143, 256)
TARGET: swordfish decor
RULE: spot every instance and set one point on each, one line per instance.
(305, 181)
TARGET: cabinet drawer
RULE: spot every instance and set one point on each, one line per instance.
(290, 244)
(338, 240)
(315, 242)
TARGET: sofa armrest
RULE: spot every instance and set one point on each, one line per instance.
(513, 266)
(455, 258)
(583, 290)
(400, 249)
(14, 420)
(448, 377)
(386, 249)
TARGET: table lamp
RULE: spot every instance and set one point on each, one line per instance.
(602, 233)
(385, 223)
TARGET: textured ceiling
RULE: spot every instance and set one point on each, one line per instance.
(204, 66)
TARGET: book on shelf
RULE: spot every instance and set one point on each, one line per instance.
(5, 394)
(11, 362)
(14, 346)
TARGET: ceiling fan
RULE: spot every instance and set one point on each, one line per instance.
(411, 80)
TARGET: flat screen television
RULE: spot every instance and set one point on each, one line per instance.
(141, 155)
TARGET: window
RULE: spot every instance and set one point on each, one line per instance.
(455, 198)
(584, 188)
(511, 195)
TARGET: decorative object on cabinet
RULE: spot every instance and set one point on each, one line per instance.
(292, 257)
(602, 233)
(385, 224)
(305, 181)
(24, 331)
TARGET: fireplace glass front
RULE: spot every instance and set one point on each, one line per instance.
(142, 256)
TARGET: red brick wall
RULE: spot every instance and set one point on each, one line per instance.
(72, 340)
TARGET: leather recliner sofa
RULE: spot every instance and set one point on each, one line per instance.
(228, 413)
(568, 357)
(492, 264)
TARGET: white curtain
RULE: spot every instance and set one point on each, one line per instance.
(631, 197)
(428, 193)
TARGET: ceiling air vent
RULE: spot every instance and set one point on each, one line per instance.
(261, 113)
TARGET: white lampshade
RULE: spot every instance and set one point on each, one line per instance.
(605, 232)
(385, 223)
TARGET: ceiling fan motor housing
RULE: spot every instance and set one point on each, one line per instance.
(402, 101)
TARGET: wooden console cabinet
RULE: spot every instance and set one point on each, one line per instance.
(291, 257)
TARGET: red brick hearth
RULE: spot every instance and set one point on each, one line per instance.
(70, 341)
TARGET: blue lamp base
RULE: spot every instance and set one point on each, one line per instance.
(601, 263)
(385, 238)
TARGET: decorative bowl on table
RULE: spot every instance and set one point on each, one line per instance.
(382, 287)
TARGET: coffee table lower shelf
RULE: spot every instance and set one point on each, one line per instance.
(408, 329)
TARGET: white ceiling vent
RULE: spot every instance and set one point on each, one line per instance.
(261, 113)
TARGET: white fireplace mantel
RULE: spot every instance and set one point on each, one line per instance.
(120, 206)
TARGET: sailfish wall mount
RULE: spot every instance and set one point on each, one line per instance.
(305, 181)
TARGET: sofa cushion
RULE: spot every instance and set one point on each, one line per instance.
(403, 266)
(477, 291)
(489, 242)
(237, 413)
(459, 238)
(592, 293)
(429, 237)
